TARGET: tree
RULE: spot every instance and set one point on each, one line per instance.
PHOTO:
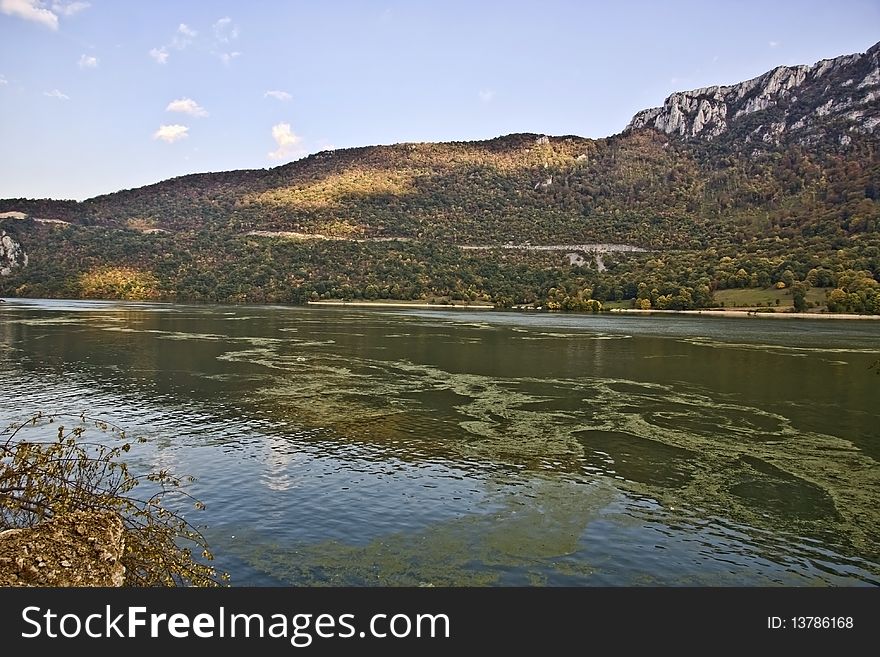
(799, 296)
(49, 476)
(837, 301)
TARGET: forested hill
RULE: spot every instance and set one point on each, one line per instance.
(766, 181)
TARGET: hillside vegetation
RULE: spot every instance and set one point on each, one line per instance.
(788, 212)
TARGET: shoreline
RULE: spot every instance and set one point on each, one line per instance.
(738, 313)
(405, 304)
(730, 312)
(745, 312)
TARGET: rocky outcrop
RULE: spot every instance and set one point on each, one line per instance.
(11, 254)
(83, 548)
(841, 94)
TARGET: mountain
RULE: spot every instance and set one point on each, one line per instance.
(768, 182)
(809, 104)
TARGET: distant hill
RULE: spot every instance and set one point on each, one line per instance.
(748, 185)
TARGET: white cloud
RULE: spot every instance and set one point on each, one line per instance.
(30, 10)
(773, 44)
(487, 95)
(183, 37)
(171, 133)
(186, 106)
(56, 94)
(69, 8)
(160, 55)
(3, 80)
(87, 61)
(286, 140)
(278, 95)
(225, 31)
(227, 57)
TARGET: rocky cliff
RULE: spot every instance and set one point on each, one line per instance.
(833, 97)
(12, 255)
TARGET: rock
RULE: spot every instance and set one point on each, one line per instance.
(872, 79)
(544, 184)
(816, 93)
(12, 255)
(83, 548)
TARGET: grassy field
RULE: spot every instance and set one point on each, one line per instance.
(748, 298)
(755, 298)
(626, 303)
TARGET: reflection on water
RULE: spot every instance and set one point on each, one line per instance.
(339, 446)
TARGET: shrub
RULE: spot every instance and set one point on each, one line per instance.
(48, 477)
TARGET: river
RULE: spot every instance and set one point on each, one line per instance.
(340, 446)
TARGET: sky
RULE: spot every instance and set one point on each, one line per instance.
(102, 95)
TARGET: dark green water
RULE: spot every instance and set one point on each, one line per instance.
(405, 447)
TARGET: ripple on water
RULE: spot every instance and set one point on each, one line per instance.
(782, 493)
(638, 459)
(337, 463)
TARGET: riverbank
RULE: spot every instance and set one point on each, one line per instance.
(730, 312)
(402, 304)
(744, 312)
(715, 312)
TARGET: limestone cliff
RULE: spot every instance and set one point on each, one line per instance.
(12, 255)
(837, 96)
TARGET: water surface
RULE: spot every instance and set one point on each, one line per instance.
(407, 447)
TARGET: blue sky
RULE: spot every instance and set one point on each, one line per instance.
(102, 95)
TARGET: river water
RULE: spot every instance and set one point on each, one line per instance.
(341, 446)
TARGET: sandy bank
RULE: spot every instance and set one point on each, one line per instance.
(404, 304)
(744, 313)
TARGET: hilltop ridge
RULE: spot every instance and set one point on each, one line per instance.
(833, 96)
(754, 184)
